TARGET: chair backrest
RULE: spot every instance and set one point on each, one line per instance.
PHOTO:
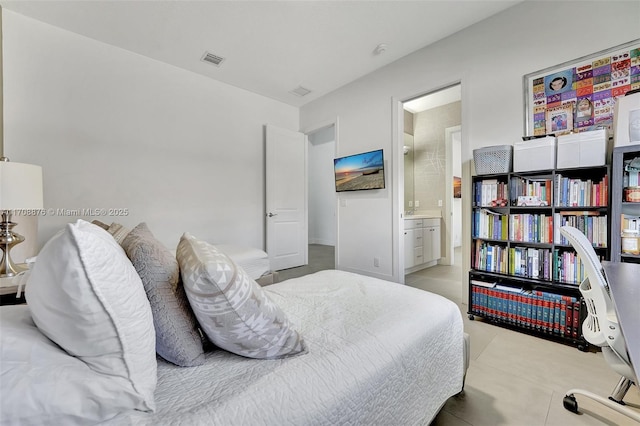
(600, 327)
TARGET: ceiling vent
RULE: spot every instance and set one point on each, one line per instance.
(212, 59)
(300, 91)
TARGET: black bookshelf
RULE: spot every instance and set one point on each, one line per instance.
(518, 256)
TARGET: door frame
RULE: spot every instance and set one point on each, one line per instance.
(448, 258)
(312, 129)
(397, 135)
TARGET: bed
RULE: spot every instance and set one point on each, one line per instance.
(255, 262)
(375, 352)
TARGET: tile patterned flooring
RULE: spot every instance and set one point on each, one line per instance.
(513, 378)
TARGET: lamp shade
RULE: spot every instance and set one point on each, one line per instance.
(20, 186)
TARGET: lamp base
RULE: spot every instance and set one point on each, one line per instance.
(8, 239)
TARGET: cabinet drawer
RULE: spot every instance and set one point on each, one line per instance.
(431, 222)
(418, 238)
(412, 223)
(418, 256)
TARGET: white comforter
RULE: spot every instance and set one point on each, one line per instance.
(379, 354)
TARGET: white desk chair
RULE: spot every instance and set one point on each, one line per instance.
(600, 327)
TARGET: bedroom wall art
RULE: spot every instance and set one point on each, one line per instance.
(580, 95)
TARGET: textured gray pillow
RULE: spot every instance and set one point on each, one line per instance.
(232, 309)
(177, 337)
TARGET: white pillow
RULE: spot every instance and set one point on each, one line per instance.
(43, 385)
(86, 296)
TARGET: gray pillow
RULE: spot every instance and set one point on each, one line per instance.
(232, 309)
(177, 337)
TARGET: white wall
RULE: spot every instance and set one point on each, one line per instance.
(113, 129)
(456, 163)
(430, 154)
(489, 59)
(322, 190)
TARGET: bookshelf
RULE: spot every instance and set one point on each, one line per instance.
(625, 215)
(524, 274)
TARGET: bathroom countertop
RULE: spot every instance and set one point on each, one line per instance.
(421, 216)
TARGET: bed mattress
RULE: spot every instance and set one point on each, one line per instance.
(379, 353)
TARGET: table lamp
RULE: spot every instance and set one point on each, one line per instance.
(20, 189)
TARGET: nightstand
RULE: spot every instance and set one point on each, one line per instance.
(8, 290)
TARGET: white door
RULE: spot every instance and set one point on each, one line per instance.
(286, 198)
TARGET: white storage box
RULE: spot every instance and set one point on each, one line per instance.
(534, 154)
(584, 149)
(626, 120)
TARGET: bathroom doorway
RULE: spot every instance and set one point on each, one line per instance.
(433, 170)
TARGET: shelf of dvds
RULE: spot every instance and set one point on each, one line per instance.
(524, 274)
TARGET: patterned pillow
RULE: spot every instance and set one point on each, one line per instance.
(118, 232)
(177, 337)
(232, 309)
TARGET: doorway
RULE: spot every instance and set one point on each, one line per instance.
(322, 225)
(433, 171)
(321, 202)
(322, 197)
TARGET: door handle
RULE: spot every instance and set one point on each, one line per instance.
(272, 214)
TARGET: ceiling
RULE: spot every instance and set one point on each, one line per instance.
(269, 47)
(434, 100)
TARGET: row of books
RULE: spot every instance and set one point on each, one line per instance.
(531, 228)
(540, 188)
(557, 265)
(581, 193)
(530, 262)
(536, 310)
(490, 257)
(538, 228)
(490, 225)
(568, 192)
(594, 226)
(568, 267)
(488, 190)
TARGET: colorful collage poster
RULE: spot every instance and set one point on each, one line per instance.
(581, 96)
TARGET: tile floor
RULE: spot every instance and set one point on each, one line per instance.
(513, 378)
(321, 257)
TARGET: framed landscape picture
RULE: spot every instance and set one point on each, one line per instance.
(457, 187)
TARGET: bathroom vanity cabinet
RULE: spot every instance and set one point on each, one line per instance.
(421, 243)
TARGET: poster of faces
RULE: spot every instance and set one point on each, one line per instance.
(588, 89)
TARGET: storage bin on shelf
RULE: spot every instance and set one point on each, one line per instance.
(584, 149)
(534, 154)
(493, 159)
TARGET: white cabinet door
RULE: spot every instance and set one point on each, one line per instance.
(409, 252)
(435, 243)
(431, 243)
(428, 244)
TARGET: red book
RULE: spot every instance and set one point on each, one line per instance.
(569, 319)
(576, 319)
(548, 325)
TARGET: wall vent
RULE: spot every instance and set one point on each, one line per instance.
(212, 59)
(300, 91)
